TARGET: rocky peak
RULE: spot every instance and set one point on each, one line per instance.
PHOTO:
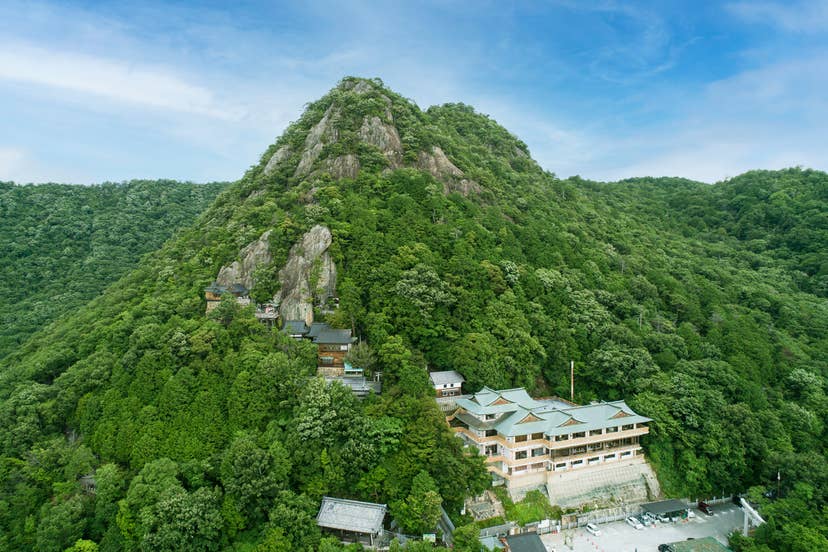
(363, 111)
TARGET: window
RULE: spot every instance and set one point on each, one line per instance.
(577, 463)
(595, 460)
(490, 416)
(537, 436)
(595, 432)
(520, 438)
(611, 429)
(609, 457)
(520, 455)
(491, 432)
(561, 466)
(538, 466)
(538, 452)
(561, 438)
(626, 454)
(326, 359)
(578, 435)
(627, 427)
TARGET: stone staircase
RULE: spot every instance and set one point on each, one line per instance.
(604, 485)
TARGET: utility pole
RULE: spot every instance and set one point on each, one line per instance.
(572, 381)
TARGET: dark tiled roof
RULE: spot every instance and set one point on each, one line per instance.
(329, 335)
(295, 327)
(238, 289)
(527, 542)
(317, 327)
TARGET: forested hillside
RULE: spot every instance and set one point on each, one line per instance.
(62, 245)
(703, 306)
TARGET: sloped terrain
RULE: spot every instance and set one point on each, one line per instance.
(454, 250)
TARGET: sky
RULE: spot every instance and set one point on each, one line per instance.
(112, 91)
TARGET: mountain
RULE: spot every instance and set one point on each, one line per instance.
(62, 245)
(436, 238)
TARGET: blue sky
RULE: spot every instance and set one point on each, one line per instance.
(96, 91)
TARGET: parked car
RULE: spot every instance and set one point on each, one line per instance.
(593, 529)
(705, 507)
(664, 548)
(651, 517)
(691, 514)
(633, 522)
(645, 521)
(663, 518)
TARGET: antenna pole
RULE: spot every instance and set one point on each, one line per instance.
(572, 381)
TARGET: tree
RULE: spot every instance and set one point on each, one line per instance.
(467, 539)
(420, 511)
(252, 475)
(60, 525)
(183, 521)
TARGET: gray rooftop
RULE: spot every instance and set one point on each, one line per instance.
(295, 327)
(351, 515)
(527, 542)
(317, 327)
(665, 506)
(446, 377)
(330, 335)
(516, 413)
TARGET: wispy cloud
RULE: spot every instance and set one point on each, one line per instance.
(809, 16)
(111, 79)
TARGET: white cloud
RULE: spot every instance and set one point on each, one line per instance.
(767, 118)
(11, 160)
(112, 79)
(807, 16)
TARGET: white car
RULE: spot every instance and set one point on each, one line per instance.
(593, 529)
(633, 522)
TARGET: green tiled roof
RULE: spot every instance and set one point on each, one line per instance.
(552, 419)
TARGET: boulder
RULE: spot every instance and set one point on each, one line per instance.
(280, 155)
(253, 255)
(309, 272)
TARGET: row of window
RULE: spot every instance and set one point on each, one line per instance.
(559, 438)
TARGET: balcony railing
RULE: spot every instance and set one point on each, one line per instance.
(571, 443)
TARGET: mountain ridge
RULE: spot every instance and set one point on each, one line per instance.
(720, 343)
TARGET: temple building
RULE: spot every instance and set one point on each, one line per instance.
(524, 439)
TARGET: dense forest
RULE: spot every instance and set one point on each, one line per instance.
(703, 306)
(60, 245)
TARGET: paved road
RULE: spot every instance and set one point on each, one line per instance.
(620, 537)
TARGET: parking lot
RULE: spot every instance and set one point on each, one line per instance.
(620, 537)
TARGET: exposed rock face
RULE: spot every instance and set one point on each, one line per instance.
(446, 172)
(385, 137)
(362, 87)
(344, 166)
(253, 255)
(309, 269)
(322, 132)
(280, 155)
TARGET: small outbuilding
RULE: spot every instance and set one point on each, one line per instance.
(447, 383)
(527, 542)
(352, 520)
(671, 508)
(297, 329)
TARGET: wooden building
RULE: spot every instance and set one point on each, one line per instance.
(352, 521)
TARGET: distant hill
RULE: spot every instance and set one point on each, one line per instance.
(702, 306)
(62, 245)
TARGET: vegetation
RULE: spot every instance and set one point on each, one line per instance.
(703, 306)
(60, 245)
